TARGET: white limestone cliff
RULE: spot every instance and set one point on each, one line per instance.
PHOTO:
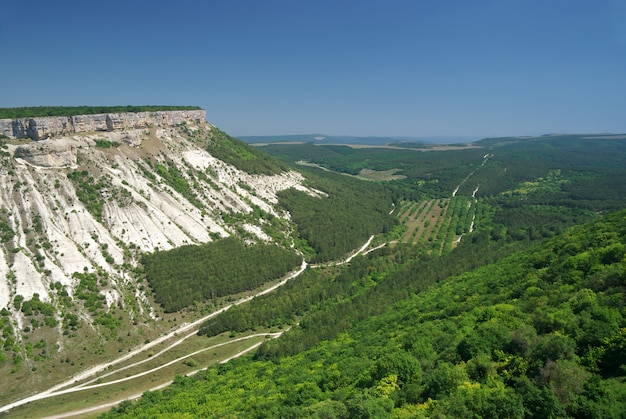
(142, 212)
(40, 128)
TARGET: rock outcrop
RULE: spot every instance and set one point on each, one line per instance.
(49, 153)
(45, 127)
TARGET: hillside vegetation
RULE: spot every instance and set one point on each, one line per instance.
(242, 155)
(540, 333)
(74, 290)
(189, 274)
(331, 227)
(486, 301)
(491, 283)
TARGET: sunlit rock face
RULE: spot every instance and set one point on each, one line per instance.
(48, 188)
(41, 128)
(44, 127)
(49, 153)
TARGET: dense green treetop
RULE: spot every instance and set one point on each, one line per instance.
(38, 111)
(199, 273)
(330, 227)
(540, 333)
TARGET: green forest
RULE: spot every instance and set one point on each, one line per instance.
(333, 225)
(522, 316)
(241, 155)
(540, 333)
(188, 274)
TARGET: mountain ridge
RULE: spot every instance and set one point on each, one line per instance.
(83, 207)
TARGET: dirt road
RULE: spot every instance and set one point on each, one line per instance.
(189, 329)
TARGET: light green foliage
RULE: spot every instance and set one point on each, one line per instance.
(103, 143)
(473, 345)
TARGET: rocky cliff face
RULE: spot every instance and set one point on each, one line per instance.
(49, 153)
(137, 203)
(86, 205)
(46, 127)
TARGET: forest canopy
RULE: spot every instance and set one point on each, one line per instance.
(539, 333)
(200, 273)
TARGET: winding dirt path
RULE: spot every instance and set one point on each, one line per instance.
(159, 387)
(58, 389)
(70, 386)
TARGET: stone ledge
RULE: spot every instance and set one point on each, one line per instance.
(41, 128)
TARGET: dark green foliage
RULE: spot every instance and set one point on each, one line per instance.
(199, 273)
(102, 143)
(564, 171)
(289, 301)
(176, 180)
(88, 191)
(17, 301)
(297, 298)
(243, 156)
(107, 320)
(516, 338)
(439, 172)
(6, 232)
(397, 275)
(35, 307)
(499, 326)
(88, 290)
(37, 111)
(571, 171)
(334, 225)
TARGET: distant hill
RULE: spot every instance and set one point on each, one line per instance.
(347, 139)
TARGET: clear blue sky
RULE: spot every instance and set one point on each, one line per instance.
(342, 67)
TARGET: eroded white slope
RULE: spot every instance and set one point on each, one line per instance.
(56, 235)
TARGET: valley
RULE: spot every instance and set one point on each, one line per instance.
(138, 258)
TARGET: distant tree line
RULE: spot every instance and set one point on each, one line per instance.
(588, 168)
(39, 111)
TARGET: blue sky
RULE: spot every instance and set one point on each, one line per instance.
(338, 67)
